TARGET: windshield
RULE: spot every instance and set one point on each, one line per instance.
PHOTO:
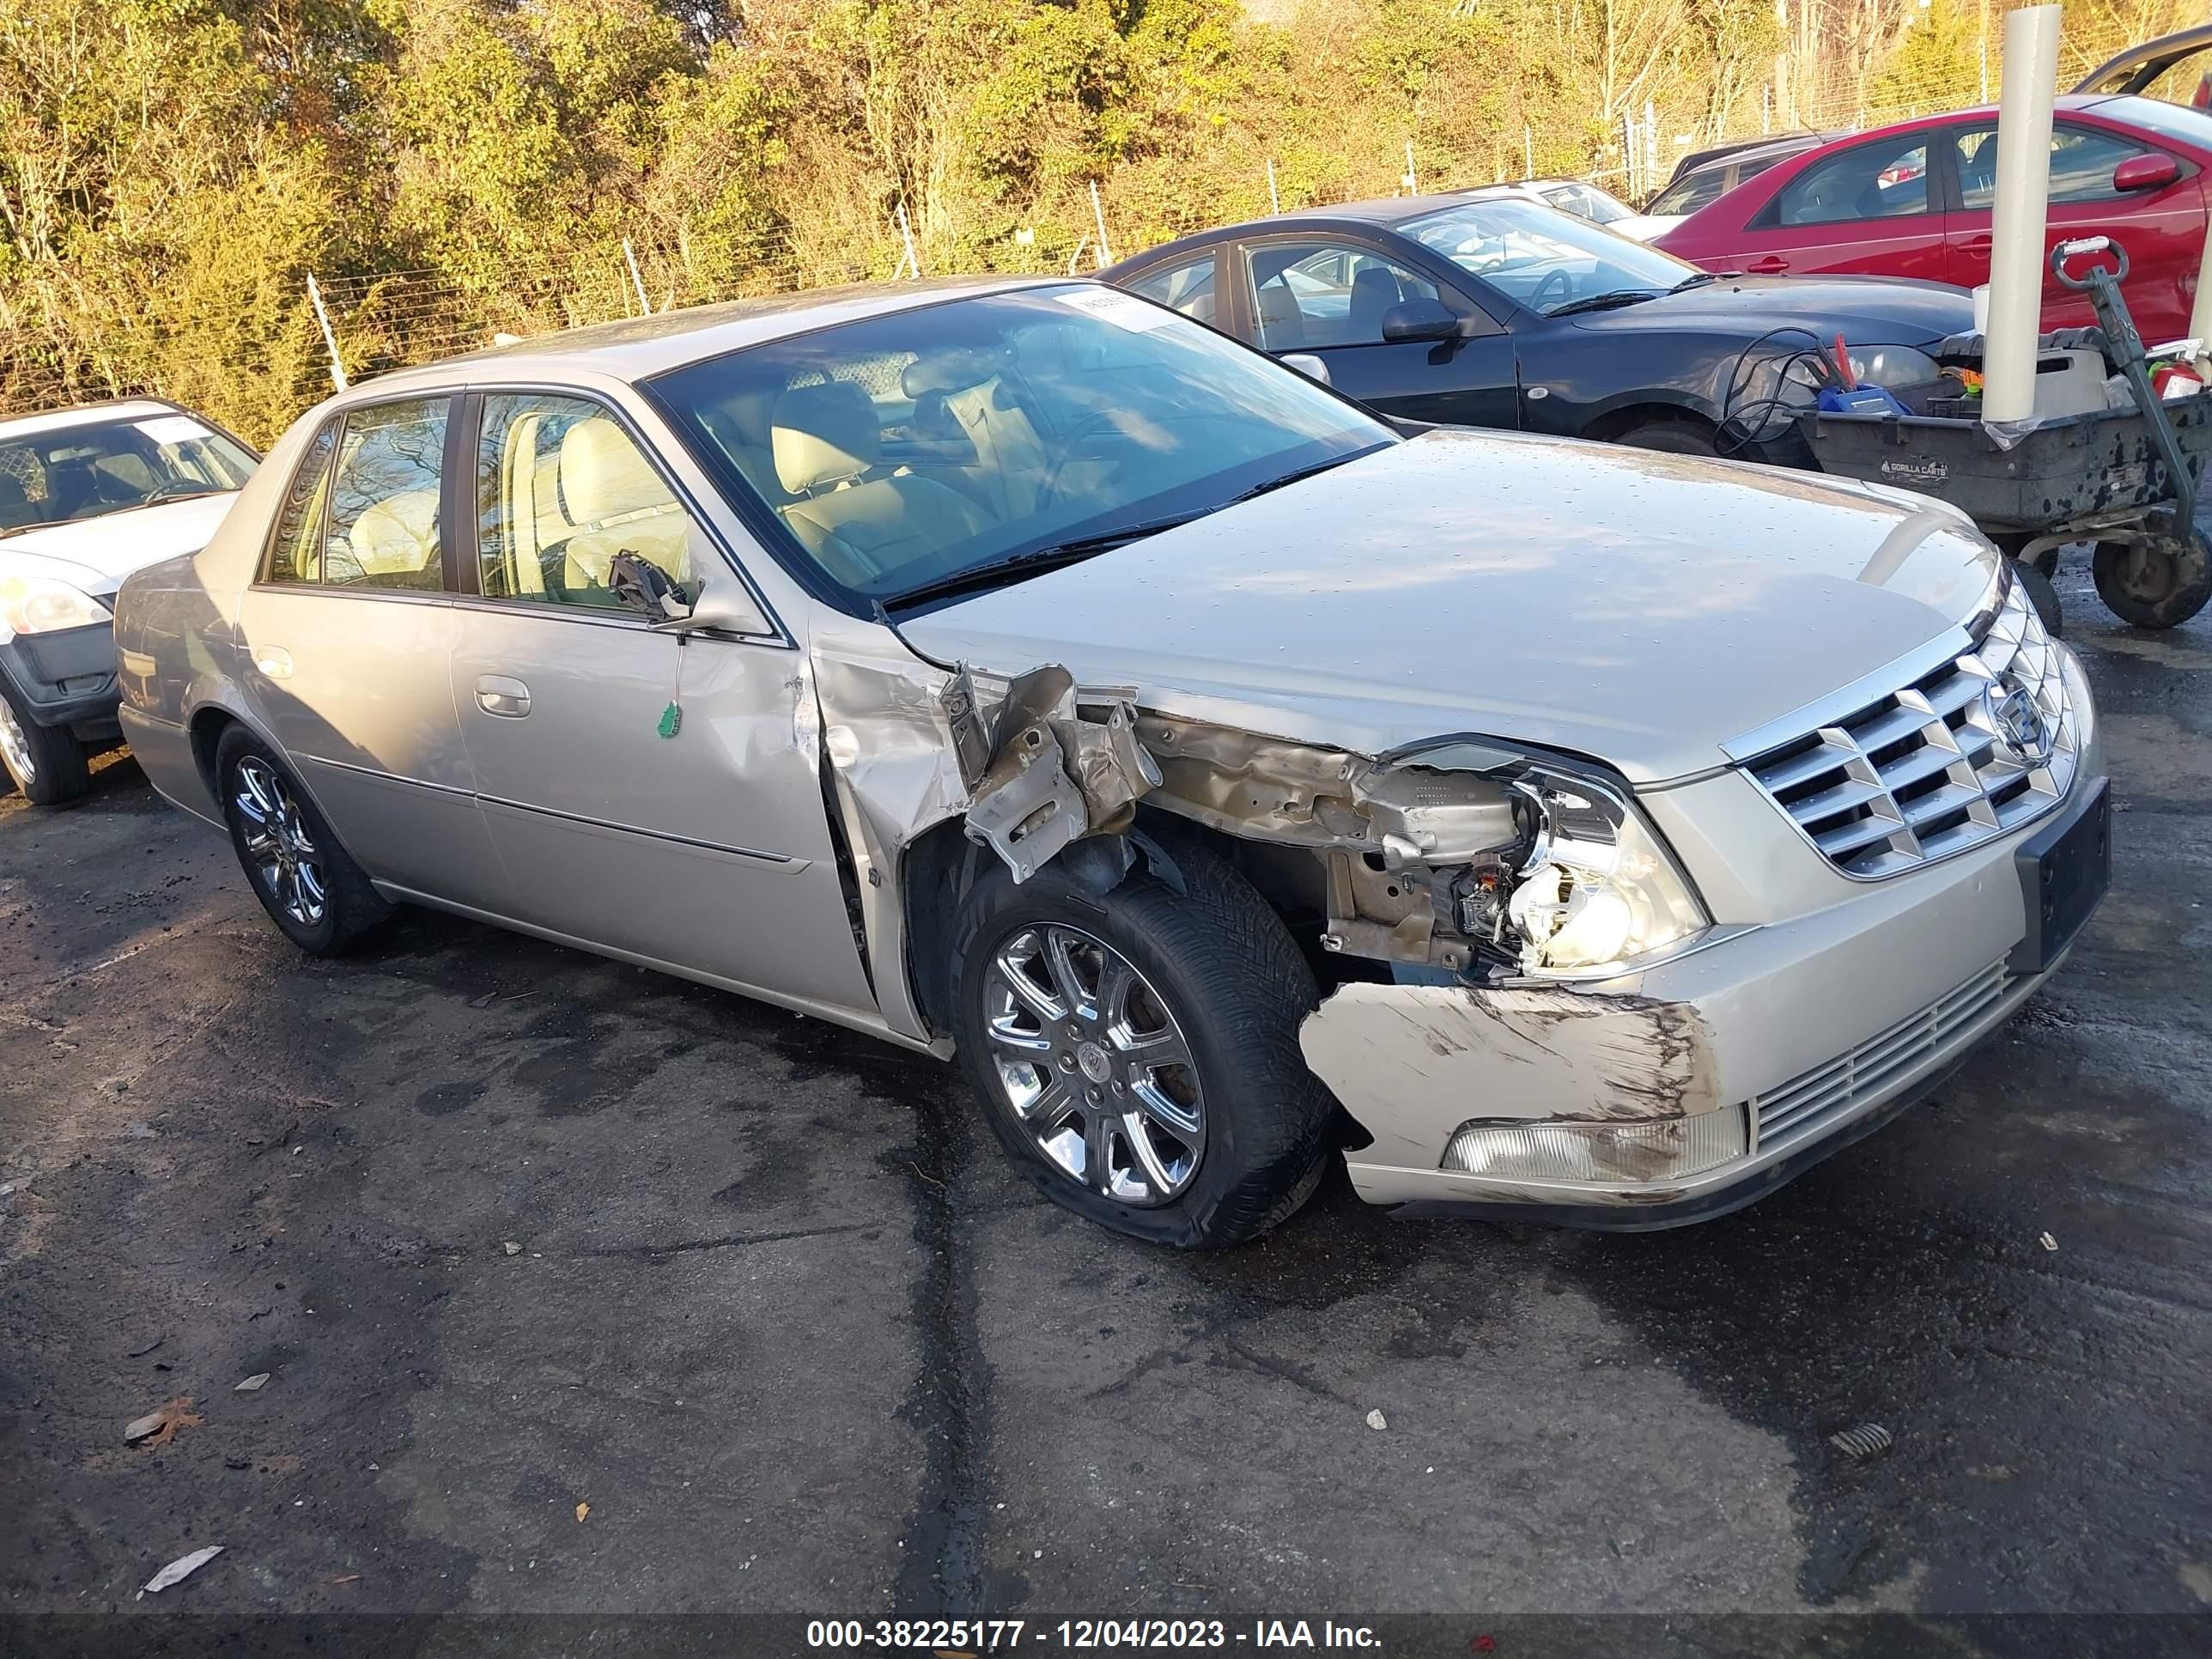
(1586, 202)
(67, 473)
(1541, 258)
(912, 448)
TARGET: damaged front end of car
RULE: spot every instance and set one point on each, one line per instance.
(1475, 898)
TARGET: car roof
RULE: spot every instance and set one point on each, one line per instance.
(59, 420)
(2163, 52)
(637, 348)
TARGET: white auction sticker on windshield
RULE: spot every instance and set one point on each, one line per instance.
(173, 428)
(1109, 306)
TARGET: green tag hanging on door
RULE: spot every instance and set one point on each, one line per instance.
(672, 718)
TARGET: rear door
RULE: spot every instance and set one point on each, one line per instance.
(2162, 228)
(348, 633)
(1326, 296)
(1870, 209)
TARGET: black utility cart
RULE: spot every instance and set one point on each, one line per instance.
(2124, 479)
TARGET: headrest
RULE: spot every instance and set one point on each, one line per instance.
(602, 476)
(954, 370)
(748, 414)
(825, 435)
(124, 477)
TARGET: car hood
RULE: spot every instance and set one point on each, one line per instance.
(1643, 226)
(1638, 608)
(1864, 309)
(96, 554)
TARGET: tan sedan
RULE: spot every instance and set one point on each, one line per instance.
(1229, 777)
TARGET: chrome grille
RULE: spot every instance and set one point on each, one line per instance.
(1928, 770)
(1871, 1067)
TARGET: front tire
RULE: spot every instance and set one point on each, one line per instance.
(316, 896)
(50, 767)
(1671, 437)
(1137, 1055)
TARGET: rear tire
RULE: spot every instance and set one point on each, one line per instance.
(49, 766)
(1234, 1127)
(316, 896)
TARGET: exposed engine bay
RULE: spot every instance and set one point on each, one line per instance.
(1465, 856)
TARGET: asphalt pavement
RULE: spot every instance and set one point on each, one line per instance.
(587, 1298)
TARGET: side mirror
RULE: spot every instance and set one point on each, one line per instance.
(1419, 320)
(645, 587)
(726, 605)
(2145, 172)
(1308, 365)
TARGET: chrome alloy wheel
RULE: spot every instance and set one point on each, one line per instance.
(1094, 1065)
(15, 744)
(285, 858)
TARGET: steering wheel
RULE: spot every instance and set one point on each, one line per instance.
(1566, 289)
(1071, 449)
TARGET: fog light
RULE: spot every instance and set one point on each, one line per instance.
(1664, 1151)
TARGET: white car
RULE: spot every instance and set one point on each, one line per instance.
(87, 496)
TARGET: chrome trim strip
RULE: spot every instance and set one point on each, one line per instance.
(548, 812)
(1947, 646)
(383, 776)
(632, 829)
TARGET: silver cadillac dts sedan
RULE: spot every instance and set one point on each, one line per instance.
(1020, 670)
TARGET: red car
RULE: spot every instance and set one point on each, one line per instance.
(1914, 200)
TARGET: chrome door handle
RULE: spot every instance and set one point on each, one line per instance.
(498, 694)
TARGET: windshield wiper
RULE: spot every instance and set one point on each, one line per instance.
(1609, 300)
(1698, 279)
(24, 529)
(1014, 568)
(177, 492)
(1037, 560)
(1294, 475)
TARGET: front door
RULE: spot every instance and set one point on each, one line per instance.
(2161, 228)
(648, 793)
(1325, 297)
(1874, 209)
(348, 633)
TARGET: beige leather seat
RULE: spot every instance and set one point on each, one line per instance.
(618, 504)
(824, 439)
(396, 539)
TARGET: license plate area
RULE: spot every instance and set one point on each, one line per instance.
(2064, 870)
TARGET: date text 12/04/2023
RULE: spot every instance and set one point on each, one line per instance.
(983, 1635)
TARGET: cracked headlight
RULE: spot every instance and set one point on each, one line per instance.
(39, 605)
(1597, 889)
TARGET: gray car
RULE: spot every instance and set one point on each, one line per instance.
(1021, 670)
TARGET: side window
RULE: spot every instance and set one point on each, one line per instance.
(295, 554)
(1309, 295)
(1687, 196)
(382, 528)
(1188, 288)
(1885, 180)
(560, 488)
(2081, 163)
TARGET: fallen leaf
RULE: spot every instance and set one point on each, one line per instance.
(181, 1569)
(159, 1426)
(251, 1383)
(582, 1509)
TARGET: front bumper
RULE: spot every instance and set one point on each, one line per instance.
(65, 679)
(1813, 1031)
